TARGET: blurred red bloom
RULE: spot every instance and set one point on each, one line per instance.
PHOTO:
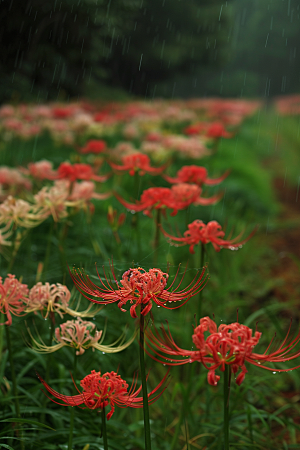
(13, 295)
(94, 146)
(79, 171)
(195, 175)
(231, 344)
(104, 390)
(137, 162)
(212, 232)
(180, 196)
(139, 288)
(217, 130)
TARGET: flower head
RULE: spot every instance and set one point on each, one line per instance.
(137, 162)
(78, 171)
(180, 196)
(42, 170)
(94, 146)
(81, 335)
(53, 298)
(211, 232)
(48, 298)
(196, 175)
(139, 288)
(13, 295)
(109, 389)
(231, 345)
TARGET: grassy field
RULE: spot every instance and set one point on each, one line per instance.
(256, 283)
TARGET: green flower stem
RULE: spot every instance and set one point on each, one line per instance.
(72, 413)
(14, 382)
(201, 262)
(104, 435)
(156, 237)
(227, 379)
(144, 386)
(48, 249)
(49, 360)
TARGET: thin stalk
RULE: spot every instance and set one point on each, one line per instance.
(156, 237)
(135, 218)
(49, 361)
(14, 382)
(144, 386)
(48, 249)
(104, 434)
(227, 379)
(201, 263)
(72, 413)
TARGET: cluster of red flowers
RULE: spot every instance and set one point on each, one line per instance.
(210, 233)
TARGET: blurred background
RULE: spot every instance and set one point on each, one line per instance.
(104, 49)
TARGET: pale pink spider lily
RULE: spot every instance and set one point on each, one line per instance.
(231, 345)
(109, 389)
(13, 295)
(211, 232)
(139, 288)
(81, 335)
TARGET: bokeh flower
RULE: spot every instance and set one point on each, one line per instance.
(109, 389)
(137, 162)
(195, 175)
(139, 288)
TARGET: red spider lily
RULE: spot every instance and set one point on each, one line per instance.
(180, 196)
(94, 146)
(139, 288)
(217, 130)
(214, 130)
(212, 232)
(78, 171)
(195, 175)
(231, 345)
(137, 162)
(13, 294)
(100, 391)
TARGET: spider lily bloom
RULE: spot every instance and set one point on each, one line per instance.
(216, 130)
(83, 192)
(137, 162)
(13, 295)
(179, 196)
(78, 171)
(138, 287)
(230, 345)
(53, 200)
(152, 198)
(195, 175)
(212, 232)
(52, 298)
(42, 170)
(100, 391)
(185, 194)
(19, 213)
(94, 146)
(81, 335)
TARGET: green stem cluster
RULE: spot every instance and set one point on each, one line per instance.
(144, 386)
(14, 381)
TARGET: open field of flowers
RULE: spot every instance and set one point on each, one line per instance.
(150, 261)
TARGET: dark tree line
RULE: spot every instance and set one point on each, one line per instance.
(66, 48)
